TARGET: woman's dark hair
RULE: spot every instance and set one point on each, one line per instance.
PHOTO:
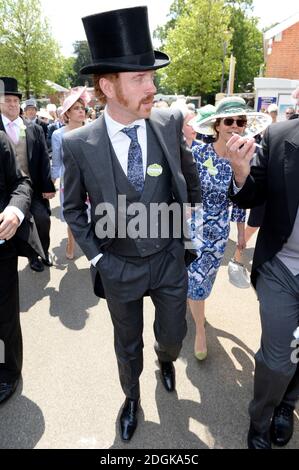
(216, 124)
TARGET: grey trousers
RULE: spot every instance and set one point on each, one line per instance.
(163, 276)
(276, 376)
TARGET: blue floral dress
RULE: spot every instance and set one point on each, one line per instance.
(215, 176)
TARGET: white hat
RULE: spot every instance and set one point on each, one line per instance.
(272, 108)
(43, 113)
(51, 107)
(180, 104)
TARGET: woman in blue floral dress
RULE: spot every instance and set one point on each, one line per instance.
(215, 175)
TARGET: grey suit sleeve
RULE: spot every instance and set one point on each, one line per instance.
(75, 204)
(188, 165)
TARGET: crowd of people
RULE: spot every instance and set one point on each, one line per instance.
(205, 164)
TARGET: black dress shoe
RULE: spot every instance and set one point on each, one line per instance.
(36, 265)
(258, 440)
(282, 425)
(128, 419)
(48, 260)
(7, 389)
(167, 372)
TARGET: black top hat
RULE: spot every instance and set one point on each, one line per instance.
(120, 41)
(9, 86)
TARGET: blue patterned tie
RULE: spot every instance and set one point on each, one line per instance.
(135, 165)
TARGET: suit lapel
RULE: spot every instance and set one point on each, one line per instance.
(150, 183)
(167, 140)
(98, 156)
(30, 137)
(291, 166)
(2, 128)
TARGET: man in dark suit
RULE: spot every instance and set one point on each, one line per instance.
(275, 275)
(139, 156)
(30, 147)
(15, 200)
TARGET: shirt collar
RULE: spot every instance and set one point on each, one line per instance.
(113, 127)
(17, 121)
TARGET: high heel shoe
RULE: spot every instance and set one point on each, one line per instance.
(201, 355)
(200, 347)
(69, 253)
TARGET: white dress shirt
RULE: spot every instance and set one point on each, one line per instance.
(121, 143)
(18, 124)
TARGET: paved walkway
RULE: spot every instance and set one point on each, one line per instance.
(70, 394)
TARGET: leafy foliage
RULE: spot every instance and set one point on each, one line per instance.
(28, 52)
(195, 46)
(83, 57)
(200, 36)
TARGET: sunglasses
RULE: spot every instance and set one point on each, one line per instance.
(230, 121)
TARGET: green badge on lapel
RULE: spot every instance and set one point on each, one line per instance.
(212, 170)
(154, 170)
(22, 130)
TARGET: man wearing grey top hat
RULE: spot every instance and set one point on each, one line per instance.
(137, 153)
(30, 112)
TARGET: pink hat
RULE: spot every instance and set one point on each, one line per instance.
(295, 94)
(79, 92)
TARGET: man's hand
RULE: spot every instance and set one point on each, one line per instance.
(240, 151)
(48, 195)
(8, 225)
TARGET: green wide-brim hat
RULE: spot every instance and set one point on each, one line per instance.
(230, 106)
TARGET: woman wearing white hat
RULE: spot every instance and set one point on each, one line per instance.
(231, 116)
(73, 111)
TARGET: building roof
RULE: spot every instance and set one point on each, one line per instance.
(279, 28)
(56, 87)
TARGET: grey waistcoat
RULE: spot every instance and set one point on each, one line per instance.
(21, 154)
(144, 245)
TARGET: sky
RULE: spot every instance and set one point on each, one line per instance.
(65, 15)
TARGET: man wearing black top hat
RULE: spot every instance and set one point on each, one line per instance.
(133, 153)
(30, 146)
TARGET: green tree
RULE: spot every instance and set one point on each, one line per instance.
(82, 57)
(247, 43)
(241, 38)
(176, 10)
(66, 75)
(195, 45)
(28, 52)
